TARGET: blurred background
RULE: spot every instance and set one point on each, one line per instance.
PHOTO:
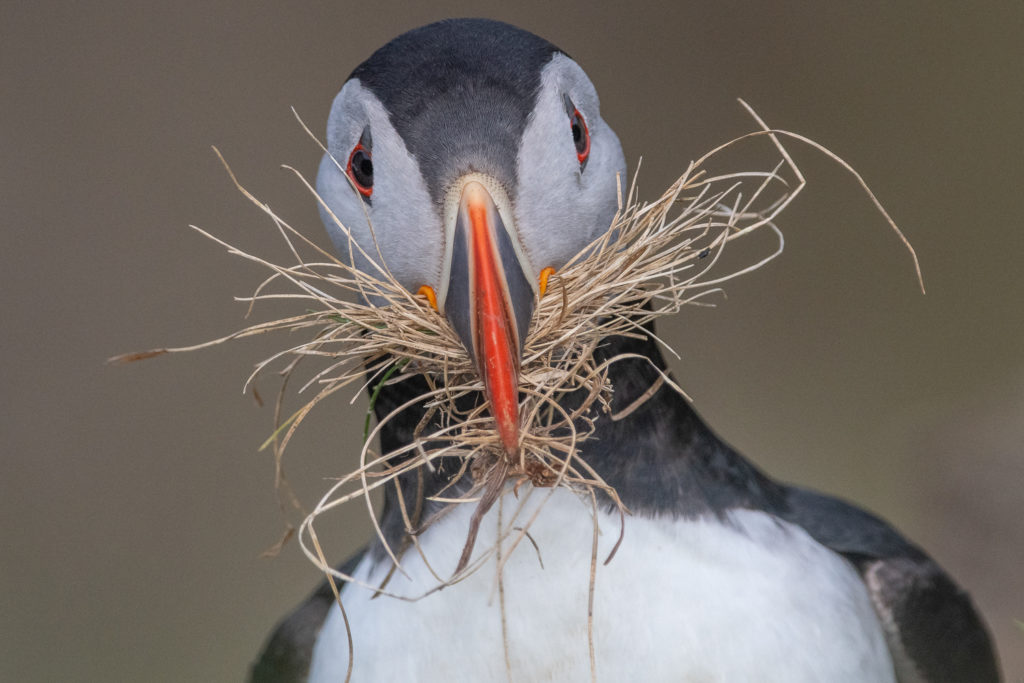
(134, 506)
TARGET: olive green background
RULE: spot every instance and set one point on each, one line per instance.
(133, 502)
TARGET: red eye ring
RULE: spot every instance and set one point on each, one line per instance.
(360, 169)
(580, 135)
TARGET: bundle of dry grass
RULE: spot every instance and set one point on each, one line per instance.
(657, 257)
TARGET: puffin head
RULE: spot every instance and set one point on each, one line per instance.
(469, 158)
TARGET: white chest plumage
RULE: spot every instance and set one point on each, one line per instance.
(751, 599)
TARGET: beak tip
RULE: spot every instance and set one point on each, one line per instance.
(510, 441)
(506, 420)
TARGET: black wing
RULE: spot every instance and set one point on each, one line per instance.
(289, 650)
(932, 629)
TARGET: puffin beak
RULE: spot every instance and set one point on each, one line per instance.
(489, 303)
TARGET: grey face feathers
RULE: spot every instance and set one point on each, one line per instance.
(459, 97)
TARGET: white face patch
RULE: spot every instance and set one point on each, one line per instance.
(560, 206)
(406, 228)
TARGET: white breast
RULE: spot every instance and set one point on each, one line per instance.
(751, 599)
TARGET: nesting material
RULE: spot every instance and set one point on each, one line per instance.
(658, 257)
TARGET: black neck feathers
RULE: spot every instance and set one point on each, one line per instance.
(661, 458)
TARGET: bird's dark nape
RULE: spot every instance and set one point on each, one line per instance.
(477, 75)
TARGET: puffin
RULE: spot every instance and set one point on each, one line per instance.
(473, 157)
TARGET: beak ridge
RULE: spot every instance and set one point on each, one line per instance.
(489, 304)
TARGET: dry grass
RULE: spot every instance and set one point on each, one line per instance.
(660, 255)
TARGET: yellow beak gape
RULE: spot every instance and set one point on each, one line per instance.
(428, 291)
(544, 275)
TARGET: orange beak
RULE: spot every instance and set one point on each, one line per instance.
(489, 304)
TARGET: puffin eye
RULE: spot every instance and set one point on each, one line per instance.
(580, 135)
(360, 169)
